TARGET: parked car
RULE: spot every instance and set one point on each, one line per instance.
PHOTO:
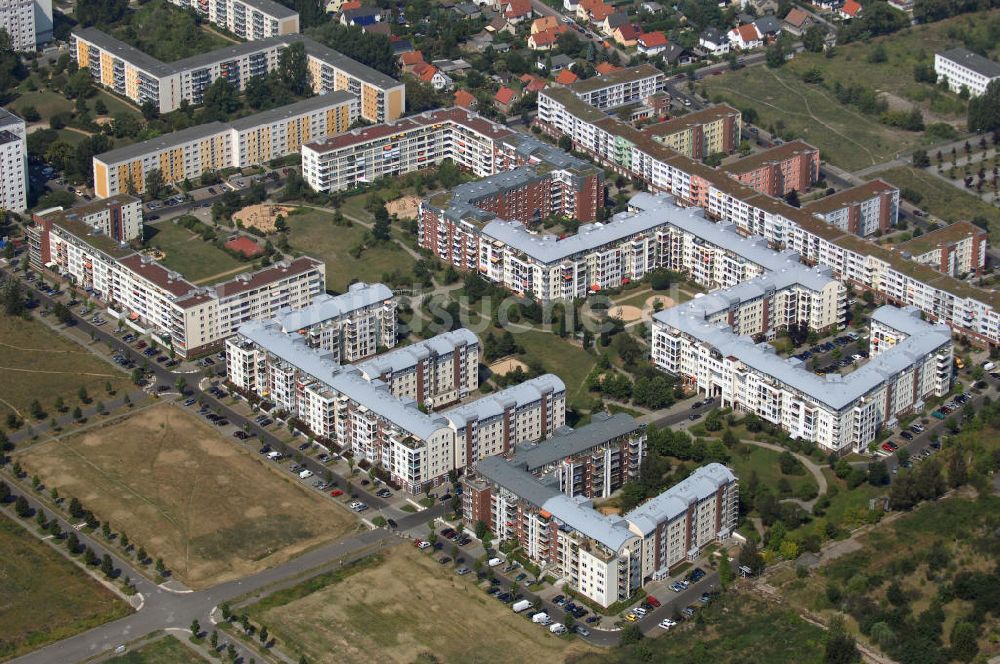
(336, 492)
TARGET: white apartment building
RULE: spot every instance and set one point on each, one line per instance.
(969, 311)
(840, 413)
(433, 372)
(153, 300)
(13, 163)
(250, 141)
(620, 87)
(957, 250)
(605, 558)
(339, 404)
(247, 19)
(119, 218)
(864, 210)
(960, 67)
(27, 22)
(131, 73)
(352, 326)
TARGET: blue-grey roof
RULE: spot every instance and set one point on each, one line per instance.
(162, 142)
(602, 428)
(493, 405)
(272, 8)
(767, 25)
(835, 390)
(676, 500)
(374, 395)
(292, 110)
(974, 61)
(407, 358)
(325, 307)
(526, 486)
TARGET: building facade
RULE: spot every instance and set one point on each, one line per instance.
(13, 163)
(250, 141)
(144, 295)
(961, 68)
(957, 250)
(620, 87)
(792, 166)
(351, 326)
(605, 558)
(119, 218)
(864, 210)
(251, 20)
(713, 130)
(139, 77)
(28, 23)
(434, 372)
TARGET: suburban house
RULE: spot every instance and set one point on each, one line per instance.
(546, 40)
(361, 16)
(544, 23)
(566, 77)
(465, 99)
(745, 37)
(430, 74)
(504, 99)
(627, 35)
(517, 11)
(676, 55)
(613, 21)
(652, 43)
(606, 68)
(850, 9)
(768, 27)
(796, 22)
(532, 83)
(408, 61)
(713, 41)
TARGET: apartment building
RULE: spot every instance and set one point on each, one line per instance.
(593, 461)
(153, 300)
(340, 404)
(250, 141)
(620, 87)
(961, 68)
(351, 326)
(605, 558)
(251, 20)
(712, 130)
(864, 210)
(956, 250)
(434, 372)
(971, 312)
(778, 171)
(13, 163)
(528, 412)
(840, 413)
(139, 77)
(28, 23)
(118, 218)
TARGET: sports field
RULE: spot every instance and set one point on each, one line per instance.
(169, 480)
(405, 607)
(38, 363)
(43, 596)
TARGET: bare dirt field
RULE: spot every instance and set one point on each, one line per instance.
(262, 216)
(404, 207)
(666, 302)
(506, 365)
(212, 511)
(407, 606)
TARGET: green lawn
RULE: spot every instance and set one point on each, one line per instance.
(764, 463)
(166, 650)
(46, 102)
(571, 363)
(313, 233)
(845, 136)
(38, 363)
(942, 199)
(188, 254)
(43, 596)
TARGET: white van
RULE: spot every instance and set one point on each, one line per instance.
(522, 605)
(274, 456)
(558, 628)
(541, 618)
(495, 561)
(305, 474)
(989, 366)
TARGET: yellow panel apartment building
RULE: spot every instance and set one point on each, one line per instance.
(249, 141)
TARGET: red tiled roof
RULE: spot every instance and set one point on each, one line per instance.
(155, 273)
(851, 7)
(411, 58)
(464, 99)
(566, 77)
(425, 72)
(601, 12)
(504, 95)
(653, 39)
(627, 32)
(277, 272)
(245, 246)
(544, 23)
(350, 4)
(606, 68)
(536, 85)
(516, 8)
(796, 17)
(747, 32)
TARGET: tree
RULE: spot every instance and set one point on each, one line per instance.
(77, 414)
(221, 100)
(22, 508)
(154, 183)
(36, 410)
(814, 39)
(750, 557)
(141, 555)
(380, 231)
(262, 634)
(984, 111)
(214, 638)
(72, 542)
(83, 395)
(630, 634)
(75, 508)
(958, 472)
(107, 566)
(12, 296)
(195, 628)
(92, 12)
(920, 159)
(292, 68)
(840, 646)
(963, 641)
(725, 570)
(776, 55)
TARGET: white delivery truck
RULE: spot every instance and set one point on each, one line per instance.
(522, 605)
(558, 628)
(541, 618)
(495, 561)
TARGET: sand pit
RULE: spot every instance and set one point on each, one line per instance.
(609, 511)
(506, 365)
(404, 207)
(262, 216)
(625, 313)
(665, 302)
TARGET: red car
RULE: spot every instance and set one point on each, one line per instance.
(653, 602)
(336, 492)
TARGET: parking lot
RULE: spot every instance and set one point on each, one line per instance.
(853, 351)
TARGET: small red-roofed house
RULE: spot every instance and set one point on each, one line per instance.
(850, 9)
(426, 73)
(504, 99)
(566, 77)
(465, 99)
(745, 37)
(410, 60)
(517, 11)
(652, 43)
(606, 68)
(627, 35)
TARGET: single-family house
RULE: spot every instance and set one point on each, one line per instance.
(713, 41)
(850, 9)
(377, 29)
(652, 43)
(467, 10)
(556, 63)
(400, 45)
(544, 23)
(762, 7)
(796, 22)
(768, 27)
(745, 37)
(675, 54)
(517, 11)
(361, 16)
(652, 7)
(427, 73)
(612, 21)
(465, 99)
(498, 25)
(627, 35)
(532, 83)
(452, 66)
(504, 99)
(407, 61)
(337, 6)
(546, 40)
(566, 77)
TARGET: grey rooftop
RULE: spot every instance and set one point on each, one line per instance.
(602, 428)
(493, 405)
(406, 358)
(974, 61)
(326, 307)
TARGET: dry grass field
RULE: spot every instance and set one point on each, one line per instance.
(212, 511)
(406, 606)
